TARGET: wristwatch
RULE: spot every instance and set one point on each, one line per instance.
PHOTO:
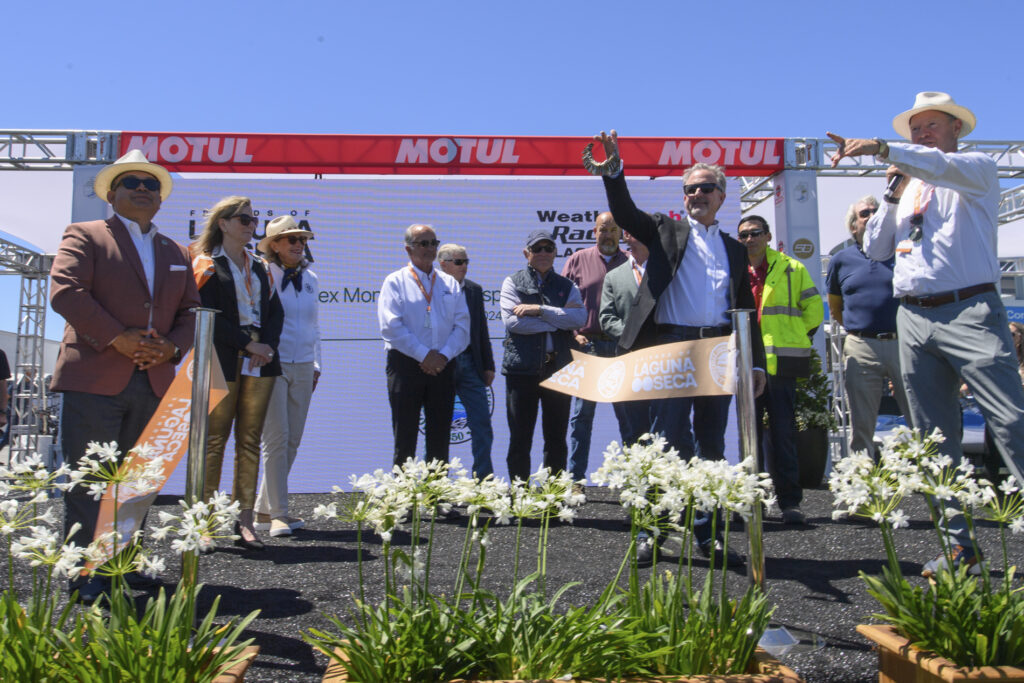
(883, 148)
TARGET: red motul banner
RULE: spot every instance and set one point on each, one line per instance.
(433, 154)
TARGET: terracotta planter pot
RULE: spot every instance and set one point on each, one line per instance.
(236, 674)
(763, 669)
(901, 662)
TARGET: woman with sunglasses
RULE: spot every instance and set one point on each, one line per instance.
(299, 355)
(245, 337)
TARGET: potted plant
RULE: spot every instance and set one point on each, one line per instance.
(958, 626)
(814, 420)
(469, 633)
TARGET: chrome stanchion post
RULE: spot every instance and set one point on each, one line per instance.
(776, 639)
(748, 438)
(201, 362)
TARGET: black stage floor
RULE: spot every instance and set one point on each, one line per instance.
(812, 574)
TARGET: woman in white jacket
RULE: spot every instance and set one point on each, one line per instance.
(299, 353)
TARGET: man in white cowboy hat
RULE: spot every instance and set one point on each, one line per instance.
(940, 223)
(125, 292)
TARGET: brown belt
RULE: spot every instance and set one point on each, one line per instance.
(948, 297)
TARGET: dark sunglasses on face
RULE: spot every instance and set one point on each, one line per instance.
(459, 261)
(246, 219)
(294, 239)
(132, 183)
(864, 213)
(747, 234)
(425, 243)
(706, 188)
(546, 248)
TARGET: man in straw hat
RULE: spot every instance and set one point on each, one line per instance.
(125, 292)
(939, 220)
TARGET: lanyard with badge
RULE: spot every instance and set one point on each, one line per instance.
(426, 295)
(254, 310)
(916, 219)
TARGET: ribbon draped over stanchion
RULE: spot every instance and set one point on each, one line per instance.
(746, 418)
(202, 360)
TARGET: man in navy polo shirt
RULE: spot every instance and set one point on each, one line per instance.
(860, 298)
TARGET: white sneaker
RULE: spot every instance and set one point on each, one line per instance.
(294, 523)
(262, 522)
(279, 527)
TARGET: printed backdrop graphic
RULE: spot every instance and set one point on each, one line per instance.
(359, 224)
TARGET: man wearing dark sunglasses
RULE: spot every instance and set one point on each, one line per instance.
(940, 223)
(540, 308)
(789, 311)
(860, 299)
(424, 322)
(686, 294)
(474, 369)
(125, 291)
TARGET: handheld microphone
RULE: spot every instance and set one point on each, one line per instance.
(890, 189)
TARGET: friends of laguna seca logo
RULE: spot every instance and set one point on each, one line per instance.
(460, 421)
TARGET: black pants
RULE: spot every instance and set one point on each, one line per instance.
(410, 390)
(522, 396)
(90, 417)
(783, 463)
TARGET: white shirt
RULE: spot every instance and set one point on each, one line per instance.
(247, 289)
(143, 245)
(403, 317)
(698, 295)
(959, 195)
(300, 336)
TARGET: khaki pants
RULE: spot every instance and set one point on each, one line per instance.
(282, 433)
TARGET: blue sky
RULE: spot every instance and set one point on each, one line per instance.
(658, 68)
(560, 68)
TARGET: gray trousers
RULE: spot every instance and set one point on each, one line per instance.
(968, 340)
(867, 363)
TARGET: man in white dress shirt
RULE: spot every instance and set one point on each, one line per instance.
(940, 223)
(424, 322)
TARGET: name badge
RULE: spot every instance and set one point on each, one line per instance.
(904, 246)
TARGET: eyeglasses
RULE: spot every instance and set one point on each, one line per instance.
(426, 244)
(245, 219)
(706, 188)
(747, 234)
(132, 182)
(458, 261)
(545, 248)
(294, 239)
(864, 213)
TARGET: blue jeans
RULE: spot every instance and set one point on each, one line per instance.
(581, 419)
(472, 392)
(706, 438)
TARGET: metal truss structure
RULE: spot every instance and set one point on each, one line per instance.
(56, 150)
(814, 154)
(30, 413)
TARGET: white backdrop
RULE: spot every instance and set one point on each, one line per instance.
(359, 224)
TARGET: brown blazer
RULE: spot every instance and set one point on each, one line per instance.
(98, 285)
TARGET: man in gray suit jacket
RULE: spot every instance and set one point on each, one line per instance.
(617, 295)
